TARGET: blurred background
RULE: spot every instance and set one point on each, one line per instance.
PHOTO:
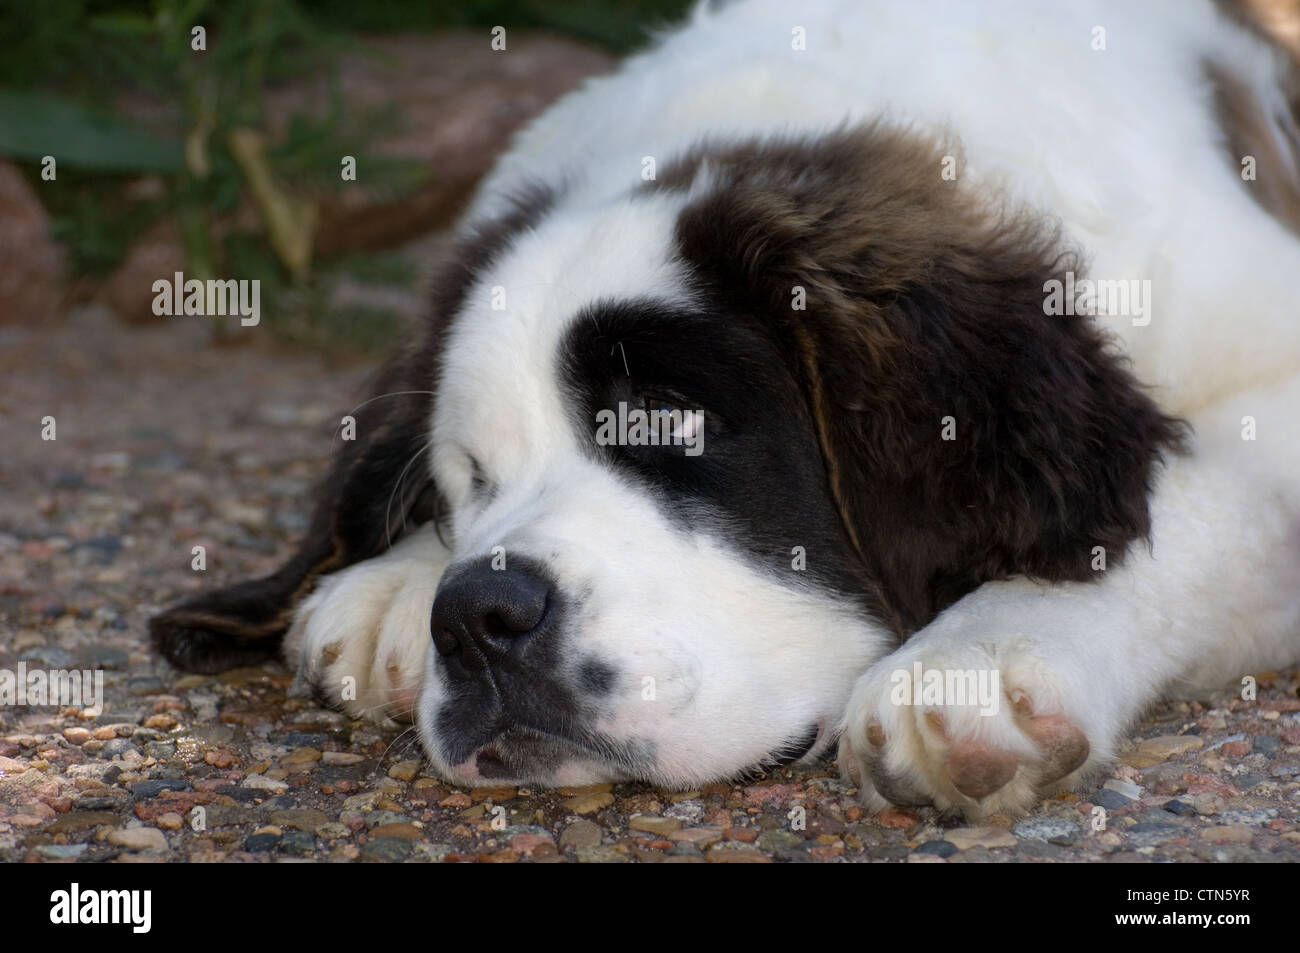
(226, 161)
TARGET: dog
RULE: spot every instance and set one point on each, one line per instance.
(917, 379)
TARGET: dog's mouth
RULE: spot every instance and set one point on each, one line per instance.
(522, 754)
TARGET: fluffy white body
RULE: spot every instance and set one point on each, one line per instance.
(1121, 146)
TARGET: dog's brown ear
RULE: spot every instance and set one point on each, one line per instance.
(376, 488)
(968, 434)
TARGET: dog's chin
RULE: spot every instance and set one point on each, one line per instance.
(521, 756)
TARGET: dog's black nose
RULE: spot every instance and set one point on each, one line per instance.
(481, 613)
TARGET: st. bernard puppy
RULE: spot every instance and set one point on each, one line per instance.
(921, 378)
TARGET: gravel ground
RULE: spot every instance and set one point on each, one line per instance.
(164, 443)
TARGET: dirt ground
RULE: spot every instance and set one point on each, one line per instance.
(164, 443)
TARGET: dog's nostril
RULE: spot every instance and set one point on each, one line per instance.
(480, 612)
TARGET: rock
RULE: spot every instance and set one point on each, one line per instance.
(1153, 751)
(298, 843)
(260, 782)
(300, 759)
(404, 770)
(601, 855)
(78, 821)
(939, 848)
(145, 685)
(257, 843)
(588, 803)
(723, 854)
(1267, 744)
(1054, 830)
(700, 837)
(30, 283)
(386, 850)
(1110, 800)
(61, 851)
(1251, 818)
(964, 838)
(1208, 803)
(300, 818)
(170, 821)
(1236, 833)
(341, 757)
(896, 817)
(138, 838)
(1181, 808)
(581, 834)
(144, 790)
(1126, 789)
(654, 824)
(76, 735)
(401, 829)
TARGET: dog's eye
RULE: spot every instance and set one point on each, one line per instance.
(670, 421)
(478, 482)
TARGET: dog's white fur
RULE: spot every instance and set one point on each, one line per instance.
(1122, 147)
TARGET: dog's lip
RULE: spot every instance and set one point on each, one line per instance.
(501, 756)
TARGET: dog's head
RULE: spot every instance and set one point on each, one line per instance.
(711, 446)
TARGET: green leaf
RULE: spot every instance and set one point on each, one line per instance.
(34, 125)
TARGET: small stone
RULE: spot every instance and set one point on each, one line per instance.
(341, 757)
(601, 855)
(654, 824)
(736, 855)
(138, 838)
(699, 837)
(257, 843)
(397, 829)
(1153, 751)
(1126, 789)
(1111, 800)
(77, 735)
(580, 835)
(386, 849)
(300, 818)
(458, 799)
(300, 758)
(1234, 833)
(896, 817)
(588, 803)
(1208, 803)
(297, 843)
(144, 790)
(1264, 744)
(171, 821)
(939, 848)
(1181, 808)
(1055, 830)
(260, 782)
(964, 838)
(61, 851)
(404, 770)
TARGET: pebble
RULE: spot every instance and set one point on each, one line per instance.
(1181, 808)
(1237, 833)
(1110, 800)
(61, 851)
(654, 824)
(260, 782)
(386, 849)
(964, 838)
(939, 848)
(582, 835)
(601, 855)
(588, 803)
(404, 770)
(138, 838)
(144, 790)
(1208, 803)
(301, 818)
(1048, 829)
(1125, 788)
(341, 757)
(77, 735)
(1153, 751)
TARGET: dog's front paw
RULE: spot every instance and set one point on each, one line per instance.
(360, 640)
(978, 729)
